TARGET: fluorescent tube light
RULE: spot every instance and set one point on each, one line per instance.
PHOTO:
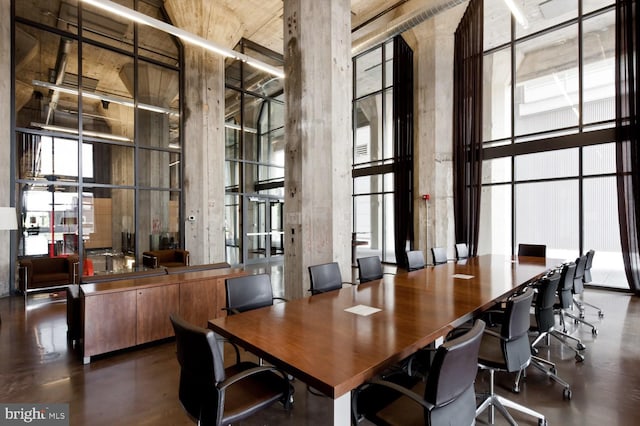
(517, 13)
(141, 18)
(84, 132)
(103, 97)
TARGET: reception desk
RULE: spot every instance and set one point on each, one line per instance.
(125, 313)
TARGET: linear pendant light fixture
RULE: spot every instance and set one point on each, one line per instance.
(187, 37)
(517, 13)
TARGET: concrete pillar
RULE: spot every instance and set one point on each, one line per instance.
(433, 148)
(204, 133)
(318, 88)
(6, 257)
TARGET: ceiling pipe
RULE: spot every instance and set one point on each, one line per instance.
(61, 67)
(401, 25)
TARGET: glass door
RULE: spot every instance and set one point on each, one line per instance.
(263, 230)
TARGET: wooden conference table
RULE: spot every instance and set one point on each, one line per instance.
(317, 341)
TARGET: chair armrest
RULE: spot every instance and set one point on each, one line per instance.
(250, 372)
(235, 347)
(402, 390)
(493, 333)
(150, 260)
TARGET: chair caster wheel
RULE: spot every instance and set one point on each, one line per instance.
(579, 358)
(594, 331)
(566, 394)
(515, 389)
(553, 370)
(600, 314)
(543, 422)
(580, 346)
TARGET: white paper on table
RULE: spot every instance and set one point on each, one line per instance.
(462, 276)
(363, 310)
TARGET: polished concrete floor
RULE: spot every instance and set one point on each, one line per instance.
(139, 386)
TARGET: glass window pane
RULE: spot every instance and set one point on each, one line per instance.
(389, 251)
(544, 165)
(43, 157)
(496, 113)
(367, 184)
(539, 15)
(546, 96)
(387, 143)
(547, 213)
(232, 226)
(368, 224)
(496, 170)
(368, 134)
(388, 64)
(591, 5)
(107, 94)
(154, 168)
(158, 99)
(495, 220)
(46, 87)
(497, 24)
(158, 219)
(368, 72)
(153, 43)
(109, 164)
(598, 81)
(61, 15)
(599, 159)
(108, 28)
(601, 232)
(110, 242)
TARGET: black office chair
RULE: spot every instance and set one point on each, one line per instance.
(508, 350)
(446, 397)
(534, 250)
(543, 323)
(248, 292)
(325, 277)
(439, 255)
(369, 268)
(587, 279)
(564, 302)
(214, 395)
(578, 289)
(462, 251)
(415, 260)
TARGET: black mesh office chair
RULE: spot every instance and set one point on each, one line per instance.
(578, 289)
(446, 397)
(587, 279)
(508, 349)
(534, 250)
(462, 251)
(564, 302)
(439, 255)
(214, 395)
(415, 260)
(542, 322)
(248, 292)
(325, 277)
(369, 268)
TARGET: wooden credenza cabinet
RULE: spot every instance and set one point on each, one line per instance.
(122, 314)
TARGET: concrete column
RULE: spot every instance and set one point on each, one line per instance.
(433, 149)
(204, 133)
(318, 88)
(6, 257)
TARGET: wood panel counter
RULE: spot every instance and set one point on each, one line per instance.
(125, 313)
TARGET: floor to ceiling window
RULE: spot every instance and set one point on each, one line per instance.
(549, 110)
(98, 141)
(373, 153)
(254, 173)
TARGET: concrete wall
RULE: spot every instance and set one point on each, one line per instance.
(5, 140)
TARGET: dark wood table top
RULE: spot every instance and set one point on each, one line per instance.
(333, 350)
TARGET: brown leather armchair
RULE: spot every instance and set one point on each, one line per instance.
(167, 258)
(43, 272)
